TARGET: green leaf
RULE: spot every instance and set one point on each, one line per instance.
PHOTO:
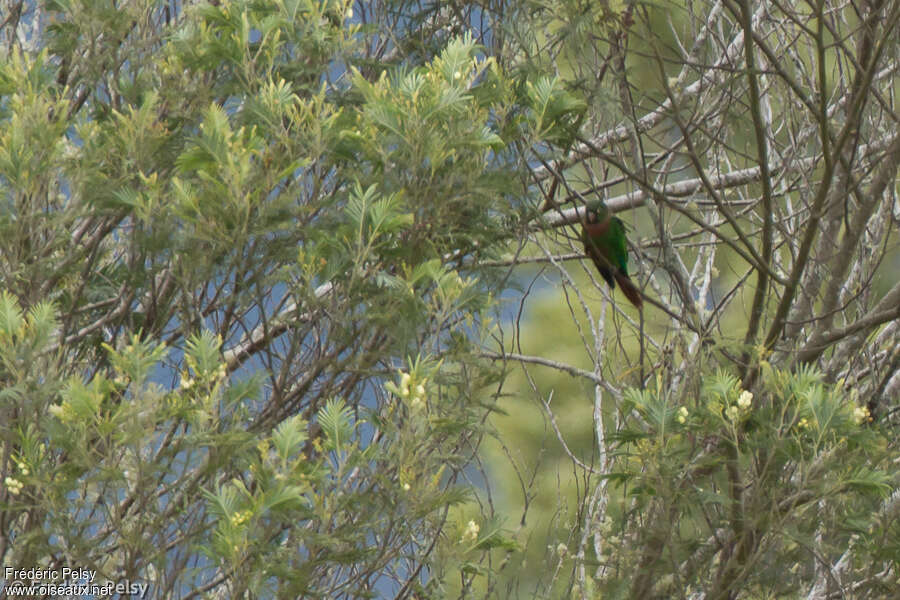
(85, 400)
(225, 501)
(12, 323)
(137, 358)
(289, 436)
(203, 352)
(285, 497)
(336, 421)
(870, 482)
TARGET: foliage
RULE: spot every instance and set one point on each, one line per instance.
(224, 228)
(796, 465)
(254, 259)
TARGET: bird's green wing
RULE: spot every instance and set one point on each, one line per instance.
(617, 246)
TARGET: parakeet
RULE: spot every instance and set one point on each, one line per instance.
(604, 241)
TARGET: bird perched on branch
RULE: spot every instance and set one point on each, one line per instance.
(604, 241)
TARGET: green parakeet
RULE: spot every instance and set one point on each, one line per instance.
(604, 241)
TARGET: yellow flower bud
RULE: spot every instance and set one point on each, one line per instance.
(471, 532)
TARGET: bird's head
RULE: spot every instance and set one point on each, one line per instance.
(595, 213)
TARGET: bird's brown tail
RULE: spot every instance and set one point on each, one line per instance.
(630, 290)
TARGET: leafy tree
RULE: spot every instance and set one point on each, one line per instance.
(243, 291)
